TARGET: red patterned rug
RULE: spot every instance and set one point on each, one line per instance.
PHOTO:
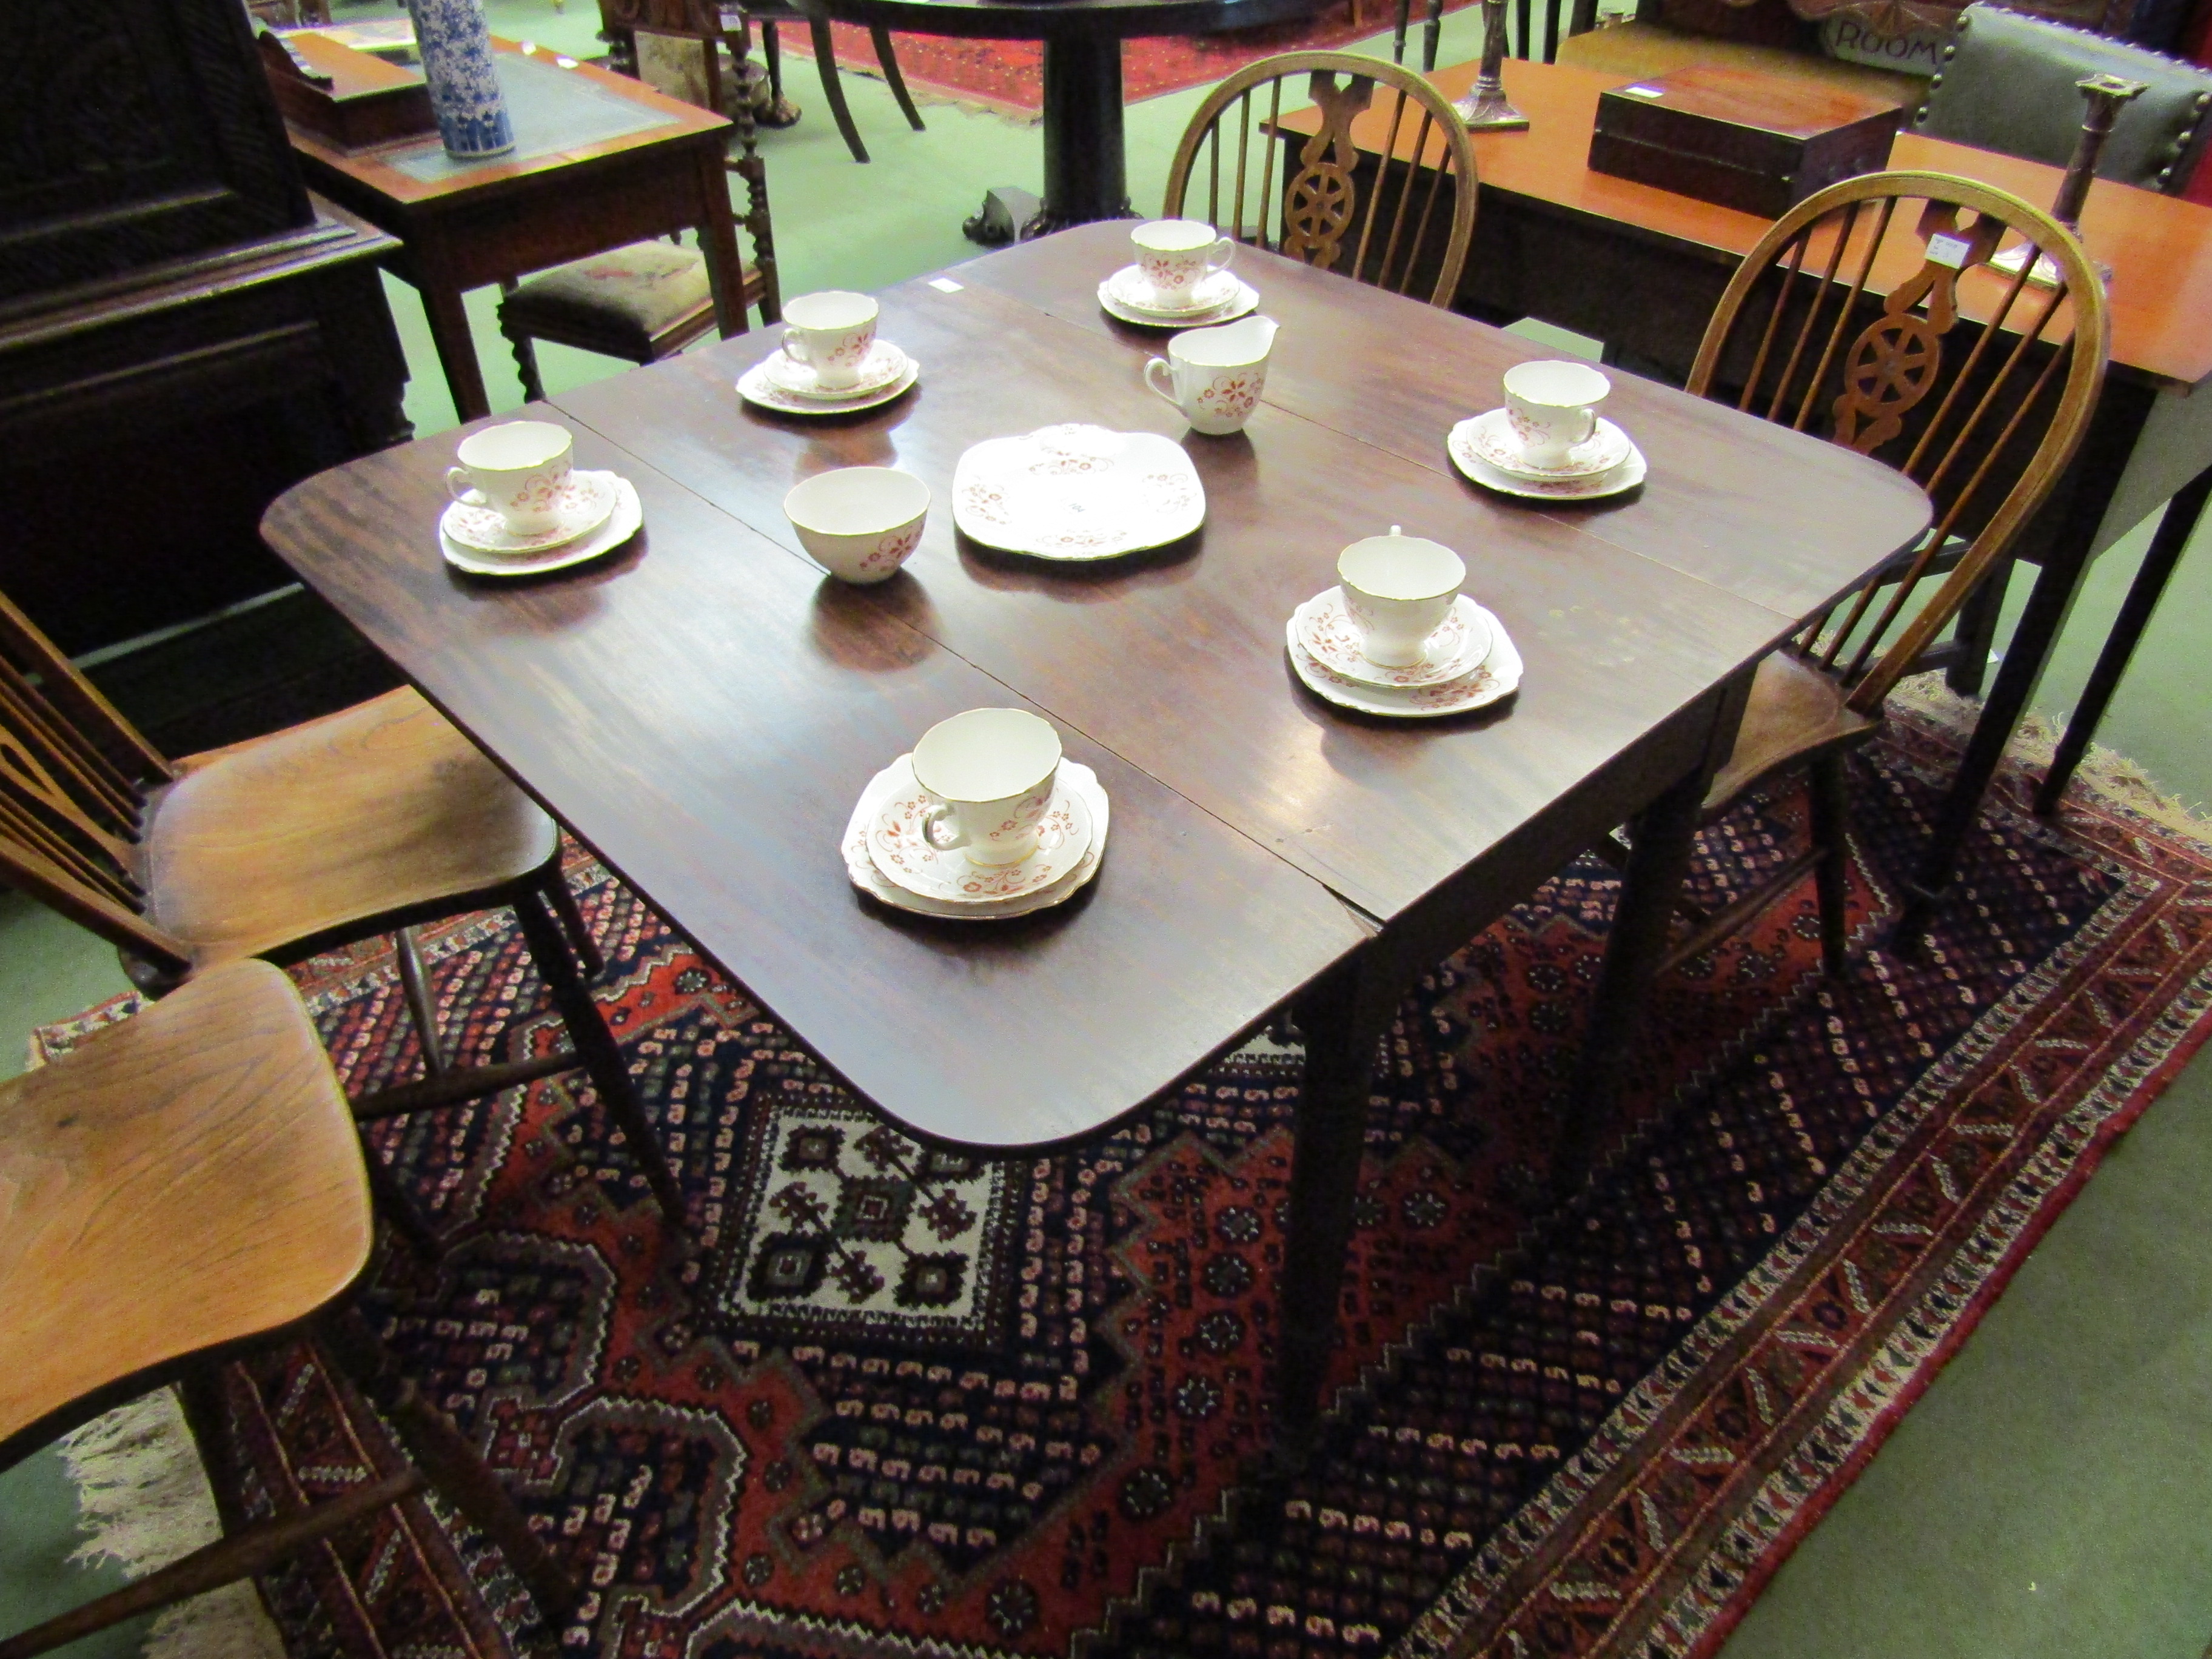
(903, 1403)
(1010, 73)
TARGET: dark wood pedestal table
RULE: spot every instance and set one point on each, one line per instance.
(704, 709)
(1085, 174)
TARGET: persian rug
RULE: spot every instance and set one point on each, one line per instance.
(1008, 75)
(904, 1403)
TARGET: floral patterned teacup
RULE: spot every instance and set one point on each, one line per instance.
(861, 522)
(832, 333)
(1553, 406)
(1176, 255)
(518, 469)
(1215, 375)
(992, 771)
(1398, 589)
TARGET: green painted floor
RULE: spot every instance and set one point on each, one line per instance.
(2045, 1500)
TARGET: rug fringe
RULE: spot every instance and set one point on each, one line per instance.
(2110, 774)
(143, 1497)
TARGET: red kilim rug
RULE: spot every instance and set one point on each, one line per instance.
(1011, 73)
(908, 1404)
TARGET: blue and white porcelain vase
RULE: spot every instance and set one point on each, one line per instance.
(455, 45)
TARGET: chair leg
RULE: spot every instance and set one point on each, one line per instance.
(887, 57)
(207, 1414)
(416, 984)
(1831, 817)
(597, 1050)
(448, 1461)
(833, 88)
(1976, 630)
(573, 925)
(400, 1211)
(1432, 33)
(1398, 32)
(772, 50)
(526, 354)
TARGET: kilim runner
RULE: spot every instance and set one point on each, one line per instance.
(904, 1403)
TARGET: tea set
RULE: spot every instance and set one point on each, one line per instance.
(520, 506)
(986, 818)
(831, 362)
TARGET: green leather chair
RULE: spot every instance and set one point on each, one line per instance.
(2006, 83)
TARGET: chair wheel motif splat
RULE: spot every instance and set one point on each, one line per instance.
(1319, 206)
(355, 826)
(1975, 374)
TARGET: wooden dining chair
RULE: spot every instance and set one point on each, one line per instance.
(1580, 18)
(1318, 212)
(183, 1189)
(359, 824)
(1871, 314)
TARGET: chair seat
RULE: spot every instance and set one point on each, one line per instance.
(636, 293)
(1795, 712)
(295, 839)
(187, 1178)
(1634, 50)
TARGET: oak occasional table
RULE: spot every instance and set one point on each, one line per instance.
(1642, 269)
(1085, 174)
(704, 709)
(600, 160)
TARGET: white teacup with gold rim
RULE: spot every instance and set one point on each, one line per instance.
(831, 333)
(1553, 406)
(1176, 255)
(518, 469)
(1397, 590)
(993, 772)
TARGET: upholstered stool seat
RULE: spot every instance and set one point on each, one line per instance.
(641, 303)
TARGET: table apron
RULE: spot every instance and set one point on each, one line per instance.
(475, 240)
(1450, 915)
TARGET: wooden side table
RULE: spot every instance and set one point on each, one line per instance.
(600, 160)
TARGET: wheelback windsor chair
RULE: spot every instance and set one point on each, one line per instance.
(362, 823)
(1956, 333)
(1320, 201)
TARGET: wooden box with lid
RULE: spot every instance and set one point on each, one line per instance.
(1758, 143)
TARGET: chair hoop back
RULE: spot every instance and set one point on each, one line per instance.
(1313, 219)
(73, 774)
(1841, 321)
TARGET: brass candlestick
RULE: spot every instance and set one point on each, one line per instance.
(2101, 96)
(1485, 108)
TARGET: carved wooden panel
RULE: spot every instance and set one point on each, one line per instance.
(132, 132)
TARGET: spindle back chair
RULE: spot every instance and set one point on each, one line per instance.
(1318, 217)
(185, 1186)
(362, 823)
(1873, 315)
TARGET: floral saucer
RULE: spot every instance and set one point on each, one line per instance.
(756, 386)
(1625, 476)
(1331, 639)
(1076, 492)
(897, 781)
(884, 364)
(1209, 293)
(619, 526)
(1499, 677)
(898, 847)
(580, 505)
(1242, 298)
(1490, 437)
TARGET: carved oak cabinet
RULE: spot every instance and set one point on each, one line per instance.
(185, 330)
